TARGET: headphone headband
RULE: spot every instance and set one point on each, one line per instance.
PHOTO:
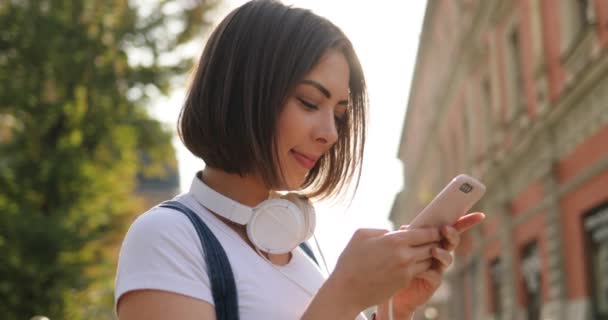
(274, 225)
(220, 204)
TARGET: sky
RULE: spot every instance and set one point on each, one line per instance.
(385, 36)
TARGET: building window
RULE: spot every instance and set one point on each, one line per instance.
(488, 110)
(471, 288)
(467, 136)
(531, 269)
(458, 302)
(585, 13)
(455, 156)
(516, 81)
(496, 272)
(577, 16)
(596, 227)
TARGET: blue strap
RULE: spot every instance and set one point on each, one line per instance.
(304, 246)
(223, 285)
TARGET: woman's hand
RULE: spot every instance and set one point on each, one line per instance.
(372, 267)
(424, 285)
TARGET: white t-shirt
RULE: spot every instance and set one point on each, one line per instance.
(162, 251)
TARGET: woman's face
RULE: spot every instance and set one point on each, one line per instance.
(309, 121)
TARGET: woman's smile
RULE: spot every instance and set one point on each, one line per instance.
(305, 160)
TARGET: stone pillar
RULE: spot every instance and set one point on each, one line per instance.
(553, 233)
(508, 294)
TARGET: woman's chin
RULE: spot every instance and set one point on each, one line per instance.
(293, 185)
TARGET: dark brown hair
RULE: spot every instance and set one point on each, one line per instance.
(250, 65)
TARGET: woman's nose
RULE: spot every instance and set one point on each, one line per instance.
(327, 131)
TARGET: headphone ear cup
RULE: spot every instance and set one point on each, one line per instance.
(307, 211)
(277, 226)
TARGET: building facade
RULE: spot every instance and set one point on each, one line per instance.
(515, 93)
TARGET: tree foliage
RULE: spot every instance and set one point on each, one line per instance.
(75, 77)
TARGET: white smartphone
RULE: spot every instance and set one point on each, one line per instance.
(454, 201)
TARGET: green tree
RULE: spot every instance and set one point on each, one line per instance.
(75, 77)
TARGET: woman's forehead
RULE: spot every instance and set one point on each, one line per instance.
(332, 72)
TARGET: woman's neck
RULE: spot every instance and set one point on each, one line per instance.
(248, 190)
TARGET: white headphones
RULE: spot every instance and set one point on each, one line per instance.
(277, 225)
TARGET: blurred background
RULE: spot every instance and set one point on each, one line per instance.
(513, 92)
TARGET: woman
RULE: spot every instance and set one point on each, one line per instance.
(277, 103)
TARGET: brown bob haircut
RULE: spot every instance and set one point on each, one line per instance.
(251, 64)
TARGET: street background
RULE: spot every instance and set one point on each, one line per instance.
(512, 92)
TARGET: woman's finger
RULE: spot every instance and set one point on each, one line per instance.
(451, 238)
(463, 223)
(467, 221)
(365, 233)
(419, 253)
(431, 276)
(416, 237)
(443, 257)
(420, 266)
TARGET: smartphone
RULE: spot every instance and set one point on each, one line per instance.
(454, 201)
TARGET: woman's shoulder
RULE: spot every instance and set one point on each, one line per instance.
(162, 229)
(159, 216)
(160, 222)
(162, 251)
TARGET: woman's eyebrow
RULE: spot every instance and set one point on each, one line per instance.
(322, 89)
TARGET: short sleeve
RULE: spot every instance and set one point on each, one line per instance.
(162, 251)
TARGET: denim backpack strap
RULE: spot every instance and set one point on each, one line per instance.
(223, 285)
(304, 246)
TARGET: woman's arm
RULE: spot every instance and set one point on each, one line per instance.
(161, 273)
(330, 303)
(162, 305)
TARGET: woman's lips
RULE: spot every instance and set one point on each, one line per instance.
(304, 160)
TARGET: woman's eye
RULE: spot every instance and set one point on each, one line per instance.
(340, 119)
(307, 104)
